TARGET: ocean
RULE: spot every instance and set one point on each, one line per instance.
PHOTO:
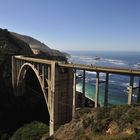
(118, 84)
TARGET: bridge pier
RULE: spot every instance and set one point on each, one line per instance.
(138, 97)
(74, 94)
(83, 88)
(106, 90)
(130, 90)
(61, 96)
(97, 90)
(14, 74)
(52, 100)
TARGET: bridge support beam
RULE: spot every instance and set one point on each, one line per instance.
(60, 96)
(130, 90)
(106, 90)
(14, 80)
(52, 98)
(138, 97)
(97, 90)
(83, 88)
(74, 94)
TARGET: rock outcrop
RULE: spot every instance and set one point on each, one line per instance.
(9, 45)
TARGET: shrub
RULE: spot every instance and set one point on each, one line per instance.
(80, 135)
(32, 131)
(118, 111)
(81, 112)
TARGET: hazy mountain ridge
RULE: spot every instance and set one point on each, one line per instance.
(37, 45)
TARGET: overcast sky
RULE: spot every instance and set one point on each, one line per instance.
(76, 24)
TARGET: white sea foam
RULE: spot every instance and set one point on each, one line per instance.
(91, 60)
(134, 95)
(116, 61)
(112, 82)
(102, 74)
(94, 73)
(126, 92)
(78, 87)
(127, 84)
(91, 72)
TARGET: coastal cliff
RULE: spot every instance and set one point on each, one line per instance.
(16, 44)
(18, 115)
(17, 111)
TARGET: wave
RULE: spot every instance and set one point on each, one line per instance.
(91, 72)
(78, 87)
(116, 61)
(112, 82)
(127, 84)
(99, 62)
(94, 73)
(126, 92)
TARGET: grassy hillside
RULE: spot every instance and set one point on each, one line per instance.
(114, 123)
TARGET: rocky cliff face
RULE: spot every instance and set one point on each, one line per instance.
(9, 45)
(15, 111)
(16, 44)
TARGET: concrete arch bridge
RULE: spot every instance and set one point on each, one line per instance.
(58, 84)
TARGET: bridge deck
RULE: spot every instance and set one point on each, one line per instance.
(123, 71)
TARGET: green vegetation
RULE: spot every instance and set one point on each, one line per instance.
(4, 136)
(1, 59)
(32, 131)
(112, 123)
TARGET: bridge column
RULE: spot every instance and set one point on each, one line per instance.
(130, 90)
(14, 74)
(138, 97)
(42, 75)
(106, 90)
(74, 94)
(52, 100)
(97, 90)
(83, 95)
(61, 99)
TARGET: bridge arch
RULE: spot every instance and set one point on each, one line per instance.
(21, 77)
(56, 85)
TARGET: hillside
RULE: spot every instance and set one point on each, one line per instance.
(40, 49)
(17, 111)
(114, 123)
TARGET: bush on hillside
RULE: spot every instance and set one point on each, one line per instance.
(32, 131)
